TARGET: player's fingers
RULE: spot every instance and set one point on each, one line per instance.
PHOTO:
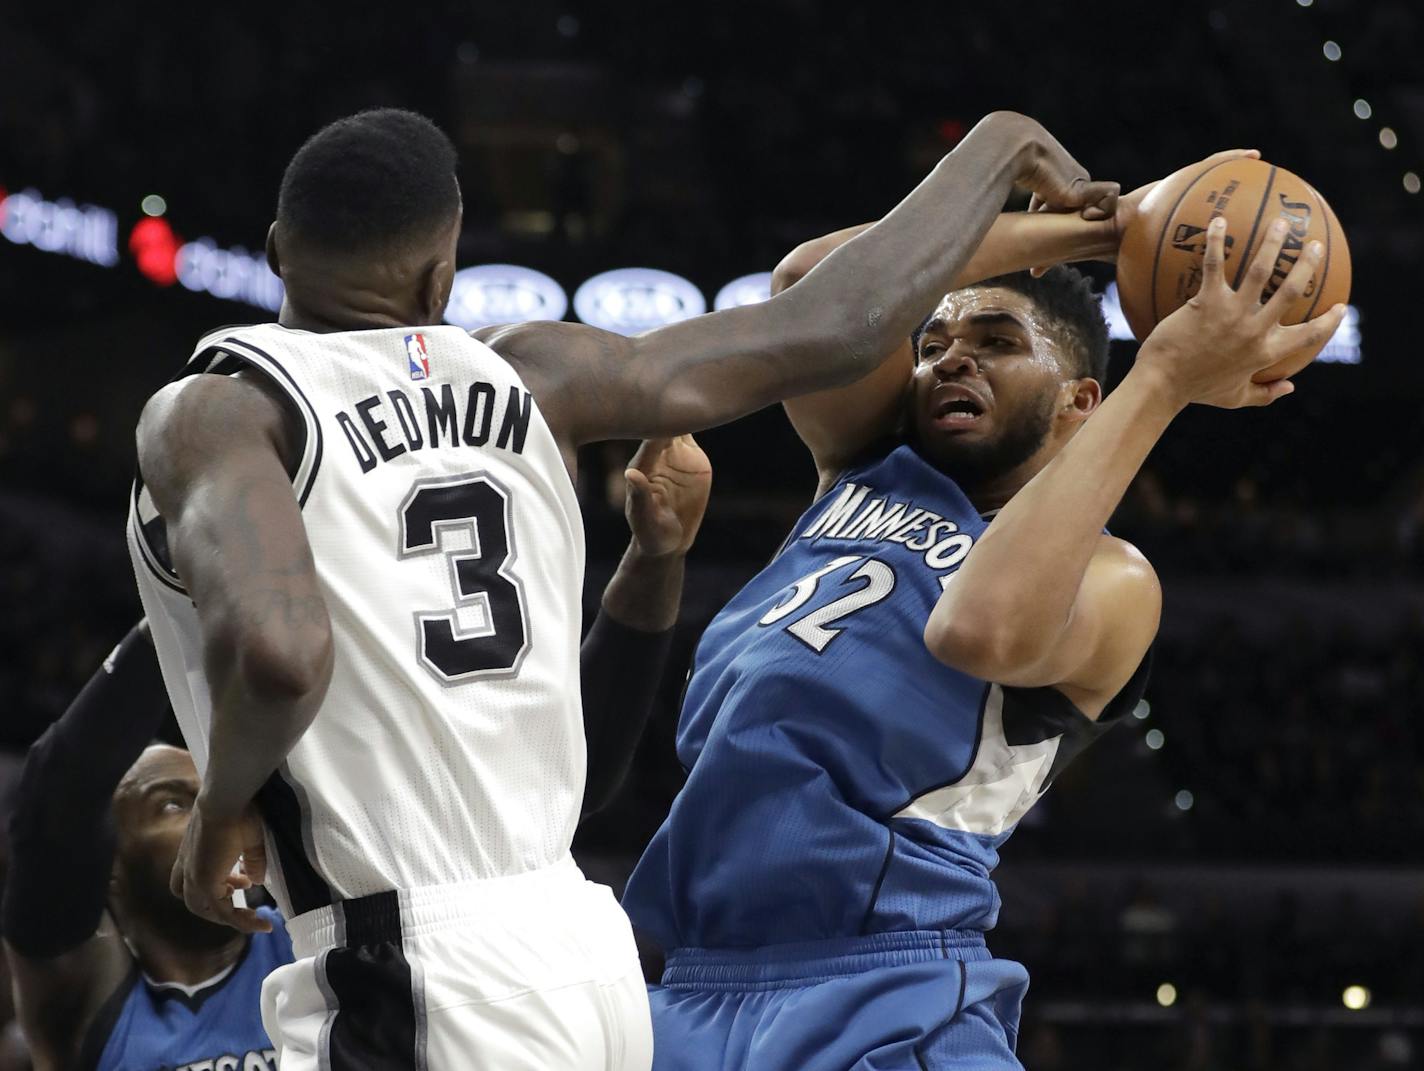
(1099, 199)
(1266, 393)
(639, 486)
(254, 862)
(648, 453)
(247, 920)
(1295, 282)
(1258, 274)
(1232, 154)
(220, 909)
(1309, 338)
(1213, 276)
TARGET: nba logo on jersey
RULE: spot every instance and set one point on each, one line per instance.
(418, 358)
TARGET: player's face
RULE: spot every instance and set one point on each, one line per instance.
(987, 380)
(151, 809)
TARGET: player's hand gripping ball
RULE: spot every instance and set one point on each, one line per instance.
(1159, 264)
(1216, 347)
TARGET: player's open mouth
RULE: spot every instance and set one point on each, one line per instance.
(956, 408)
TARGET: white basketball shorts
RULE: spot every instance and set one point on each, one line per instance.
(536, 971)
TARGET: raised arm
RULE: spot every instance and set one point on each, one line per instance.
(848, 317)
(1045, 598)
(66, 954)
(212, 451)
(625, 652)
(837, 424)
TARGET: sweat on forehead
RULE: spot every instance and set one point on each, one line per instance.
(975, 301)
(986, 307)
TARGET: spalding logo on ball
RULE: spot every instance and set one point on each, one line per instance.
(1159, 265)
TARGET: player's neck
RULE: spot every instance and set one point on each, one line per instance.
(994, 493)
(164, 959)
(331, 315)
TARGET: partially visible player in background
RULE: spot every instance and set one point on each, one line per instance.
(361, 555)
(944, 629)
(112, 972)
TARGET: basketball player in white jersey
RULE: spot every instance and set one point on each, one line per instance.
(361, 556)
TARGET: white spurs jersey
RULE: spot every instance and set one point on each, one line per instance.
(449, 547)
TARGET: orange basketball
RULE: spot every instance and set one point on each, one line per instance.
(1159, 265)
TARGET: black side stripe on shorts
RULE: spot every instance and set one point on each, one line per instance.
(376, 1026)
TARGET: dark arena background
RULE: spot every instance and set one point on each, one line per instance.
(1232, 880)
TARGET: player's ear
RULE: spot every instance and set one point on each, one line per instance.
(435, 284)
(1083, 396)
(273, 260)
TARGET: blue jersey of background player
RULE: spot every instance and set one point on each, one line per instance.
(944, 628)
(112, 972)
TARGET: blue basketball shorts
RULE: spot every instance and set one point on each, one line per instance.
(919, 1000)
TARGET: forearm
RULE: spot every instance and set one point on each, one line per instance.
(1018, 241)
(1015, 241)
(916, 252)
(841, 323)
(621, 665)
(255, 724)
(61, 833)
(1024, 573)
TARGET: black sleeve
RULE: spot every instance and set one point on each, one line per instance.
(61, 830)
(620, 668)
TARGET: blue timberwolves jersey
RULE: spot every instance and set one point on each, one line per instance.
(842, 781)
(146, 1027)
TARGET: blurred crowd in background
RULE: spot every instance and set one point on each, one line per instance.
(1282, 727)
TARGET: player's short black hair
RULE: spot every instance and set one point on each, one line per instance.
(1065, 295)
(371, 181)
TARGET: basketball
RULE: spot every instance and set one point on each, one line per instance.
(1160, 262)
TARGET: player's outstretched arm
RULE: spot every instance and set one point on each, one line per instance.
(625, 652)
(837, 424)
(66, 955)
(212, 451)
(847, 318)
(1045, 598)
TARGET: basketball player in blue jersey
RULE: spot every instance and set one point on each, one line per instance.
(113, 973)
(944, 629)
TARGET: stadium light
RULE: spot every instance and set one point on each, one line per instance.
(629, 300)
(490, 294)
(1356, 997)
(1166, 994)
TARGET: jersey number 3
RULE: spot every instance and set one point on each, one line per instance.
(493, 638)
